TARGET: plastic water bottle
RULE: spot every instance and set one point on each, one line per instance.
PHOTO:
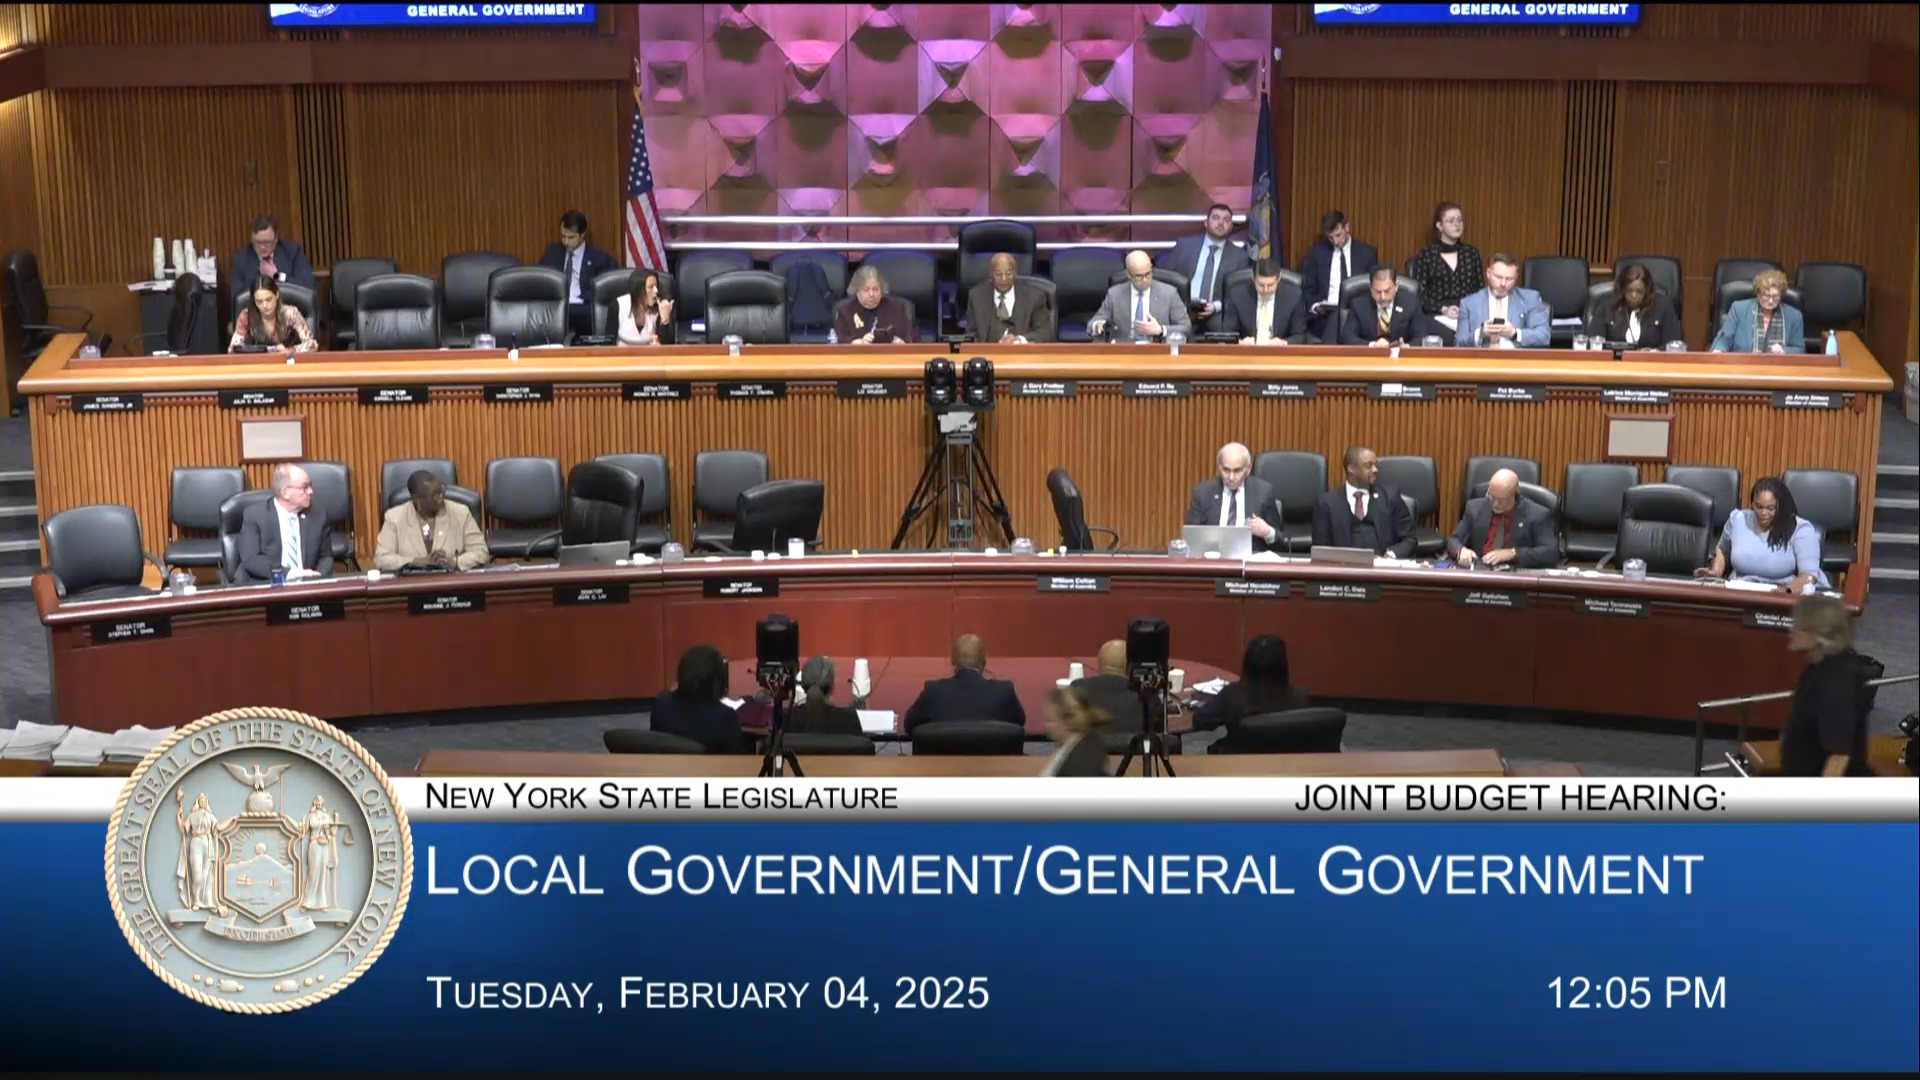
(833, 336)
(1833, 343)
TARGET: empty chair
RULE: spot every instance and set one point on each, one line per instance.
(395, 474)
(976, 738)
(94, 553)
(31, 316)
(644, 741)
(770, 514)
(719, 478)
(343, 295)
(1830, 499)
(691, 275)
(603, 503)
(982, 240)
(333, 496)
(527, 306)
(751, 304)
(1080, 277)
(1665, 270)
(1833, 296)
(1316, 730)
(816, 744)
(1419, 481)
(183, 318)
(1561, 280)
(1069, 510)
(396, 311)
(1592, 507)
(816, 280)
(1716, 482)
(1481, 468)
(1297, 477)
(464, 278)
(524, 496)
(656, 493)
(1727, 271)
(1666, 526)
(193, 503)
(232, 517)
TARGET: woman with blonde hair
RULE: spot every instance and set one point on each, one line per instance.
(1764, 324)
(1074, 722)
(1826, 733)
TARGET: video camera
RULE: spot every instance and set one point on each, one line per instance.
(776, 646)
(1149, 650)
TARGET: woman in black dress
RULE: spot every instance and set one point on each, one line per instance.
(1447, 269)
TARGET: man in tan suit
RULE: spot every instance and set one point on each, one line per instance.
(427, 530)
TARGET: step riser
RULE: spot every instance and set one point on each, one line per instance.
(1899, 487)
(1887, 519)
(14, 563)
(26, 527)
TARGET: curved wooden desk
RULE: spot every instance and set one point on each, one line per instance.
(1521, 640)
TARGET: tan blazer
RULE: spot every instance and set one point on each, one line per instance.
(454, 532)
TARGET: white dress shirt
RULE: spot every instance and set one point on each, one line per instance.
(1633, 327)
(1366, 500)
(289, 537)
(1218, 249)
(1263, 320)
(1003, 307)
(573, 274)
(1334, 277)
(632, 334)
(1233, 506)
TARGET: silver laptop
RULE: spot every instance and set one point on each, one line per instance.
(1231, 541)
(1341, 556)
(595, 554)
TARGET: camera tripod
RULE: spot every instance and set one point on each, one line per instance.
(957, 456)
(778, 760)
(1150, 745)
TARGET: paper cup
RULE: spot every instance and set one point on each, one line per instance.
(1076, 670)
(1063, 683)
(1176, 679)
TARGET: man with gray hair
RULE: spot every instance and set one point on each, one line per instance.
(284, 533)
(1502, 529)
(1236, 497)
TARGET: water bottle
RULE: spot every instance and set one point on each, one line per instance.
(1833, 343)
(833, 336)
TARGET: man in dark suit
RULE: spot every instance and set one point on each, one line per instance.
(968, 694)
(1236, 497)
(1332, 259)
(1206, 260)
(284, 533)
(1112, 691)
(579, 263)
(1363, 512)
(267, 255)
(1269, 315)
(1003, 311)
(1364, 325)
(1503, 529)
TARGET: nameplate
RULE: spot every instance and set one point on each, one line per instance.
(656, 391)
(1044, 388)
(1494, 598)
(1400, 391)
(311, 611)
(1343, 590)
(118, 630)
(1808, 399)
(1266, 389)
(446, 603)
(1156, 388)
(729, 588)
(611, 593)
(1513, 393)
(253, 399)
(1635, 395)
(744, 391)
(1593, 605)
(99, 403)
(872, 388)
(540, 391)
(393, 395)
(1768, 620)
(1251, 589)
(1074, 583)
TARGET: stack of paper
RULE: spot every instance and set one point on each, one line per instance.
(129, 747)
(34, 742)
(1211, 686)
(876, 721)
(82, 748)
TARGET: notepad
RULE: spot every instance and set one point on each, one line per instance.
(876, 721)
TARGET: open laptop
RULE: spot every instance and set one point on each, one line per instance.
(1231, 541)
(595, 554)
(1341, 556)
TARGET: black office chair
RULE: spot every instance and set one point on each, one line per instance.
(183, 318)
(464, 278)
(31, 316)
(333, 496)
(1175, 278)
(193, 504)
(912, 276)
(395, 474)
(343, 295)
(603, 503)
(522, 490)
(1716, 482)
(231, 515)
(815, 744)
(1316, 730)
(608, 287)
(1298, 477)
(1830, 499)
(1833, 297)
(644, 741)
(1080, 277)
(1592, 507)
(816, 280)
(1561, 280)
(1480, 469)
(468, 498)
(980, 241)
(751, 304)
(770, 514)
(1069, 511)
(1665, 270)
(1731, 270)
(691, 274)
(656, 491)
(94, 553)
(301, 299)
(719, 477)
(527, 306)
(969, 738)
(1667, 526)
(1359, 285)
(1419, 480)
(396, 311)
(1052, 293)
(1543, 497)
(1735, 291)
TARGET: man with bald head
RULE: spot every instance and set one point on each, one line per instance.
(1004, 311)
(1111, 690)
(284, 532)
(1501, 529)
(969, 694)
(1364, 512)
(1234, 496)
(1140, 308)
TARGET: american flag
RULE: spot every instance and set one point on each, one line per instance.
(646, 241)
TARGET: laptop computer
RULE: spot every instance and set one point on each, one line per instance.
(1341, 556)
(595, 554)
(1231, 541)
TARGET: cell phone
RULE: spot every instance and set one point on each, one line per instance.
(1497, 322)
(1322, 308)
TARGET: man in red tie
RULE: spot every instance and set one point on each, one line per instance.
(268, 255)
(1363, 512)
(1503, 529)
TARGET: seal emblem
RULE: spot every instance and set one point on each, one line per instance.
(258, 860)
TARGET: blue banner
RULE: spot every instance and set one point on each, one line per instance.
(890, 945)
(312, 16)
(1461, 14)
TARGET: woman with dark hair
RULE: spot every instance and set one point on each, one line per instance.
(646, 317)
(1769, 543)
(1448, 269)
(268, 323)
(818, 715)
(1640, 317)
(1265, 686)
(1826, 733)
(695, 708)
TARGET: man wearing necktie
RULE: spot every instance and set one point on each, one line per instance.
(1382, 317)
(1236, 497)
(1004, 310)
(1140, 308)
(1206, 261)
(1502, 529)
(1271, 313)
(282, 533)
(579, 264)
(1363, 512)
(1332, 259)
(268, 255)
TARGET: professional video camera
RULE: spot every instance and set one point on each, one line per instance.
(1149, 651)
(776, 645)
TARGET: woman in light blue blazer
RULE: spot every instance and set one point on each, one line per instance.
(1764, 323)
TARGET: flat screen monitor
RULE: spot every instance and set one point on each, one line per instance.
(1477, 14)
(320, 16)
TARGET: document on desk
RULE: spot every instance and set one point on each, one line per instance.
(877, 721)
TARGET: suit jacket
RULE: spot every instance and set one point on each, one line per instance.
(891, 315)
(1525, 309)
(454, 532)
(1316, 270)
(1259, 502)
(1530, 534)
(1289, 314)
(593, 263)
(1737, 329)
(1658, 324)
(1032, 314)
(1185, 259)
(260, 548)
(1115, 697)
(1362, 324)
(711, 724)
(1084, 756)
(966, 695)
(1387, 512)
(289, 258)
(1164, 303)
